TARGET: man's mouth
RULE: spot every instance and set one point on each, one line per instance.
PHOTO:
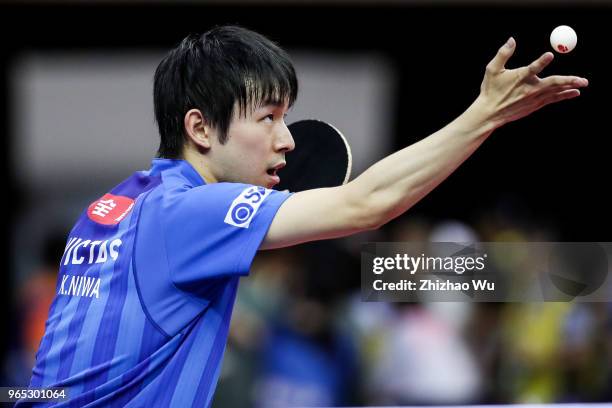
(272, 171)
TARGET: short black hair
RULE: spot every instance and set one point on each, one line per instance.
(213, 71)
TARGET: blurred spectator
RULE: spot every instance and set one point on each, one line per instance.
(32, 304)
(531, 369)
(424, 357)
(306, 359)
(423, 361)
(583, 349)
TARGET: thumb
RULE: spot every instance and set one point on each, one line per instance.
(498, 63)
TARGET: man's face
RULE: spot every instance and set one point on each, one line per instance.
(254, 151)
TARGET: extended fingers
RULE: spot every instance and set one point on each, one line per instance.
(538, 65)
(553, 89)
(498, 63)
(561, 80)
(558, 96)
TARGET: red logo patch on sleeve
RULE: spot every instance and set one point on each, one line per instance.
(110, 209)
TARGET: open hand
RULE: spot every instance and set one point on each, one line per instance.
(511, 94)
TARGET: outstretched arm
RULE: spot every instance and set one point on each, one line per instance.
(397, 182)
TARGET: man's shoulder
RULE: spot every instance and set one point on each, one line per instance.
(209, 193)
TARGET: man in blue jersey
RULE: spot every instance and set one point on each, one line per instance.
(149, 274)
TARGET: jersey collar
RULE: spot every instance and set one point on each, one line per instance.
(177, 167)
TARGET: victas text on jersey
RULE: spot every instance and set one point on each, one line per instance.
(79, 251)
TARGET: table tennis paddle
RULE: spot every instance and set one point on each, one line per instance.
(321, 158)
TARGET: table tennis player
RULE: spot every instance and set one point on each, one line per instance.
(149, 275)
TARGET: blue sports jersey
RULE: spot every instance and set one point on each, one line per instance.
(146, 288)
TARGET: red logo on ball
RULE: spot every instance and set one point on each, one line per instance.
(110, 209)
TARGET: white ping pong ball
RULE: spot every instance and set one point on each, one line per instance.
(563, 39)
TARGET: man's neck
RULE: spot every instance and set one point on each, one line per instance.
(199, 165)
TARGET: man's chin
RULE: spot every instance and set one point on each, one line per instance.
(266, 182)
(270, 181)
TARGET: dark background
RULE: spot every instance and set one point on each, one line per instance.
(550, 168)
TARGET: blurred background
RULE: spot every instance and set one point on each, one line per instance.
(77, 118)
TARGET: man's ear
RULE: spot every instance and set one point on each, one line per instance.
(197, 129)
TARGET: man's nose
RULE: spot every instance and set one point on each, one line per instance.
(284, 140)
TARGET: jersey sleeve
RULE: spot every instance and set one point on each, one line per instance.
(213, 231)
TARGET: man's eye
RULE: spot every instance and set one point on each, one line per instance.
(269, 117)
